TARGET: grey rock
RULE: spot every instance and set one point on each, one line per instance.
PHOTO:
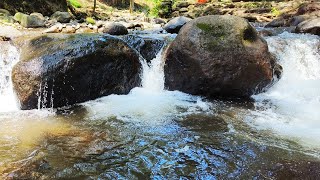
(174, 25)
(115, 29)
(63, 17)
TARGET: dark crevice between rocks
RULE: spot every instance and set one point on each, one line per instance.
(250, 35)
(4, 38)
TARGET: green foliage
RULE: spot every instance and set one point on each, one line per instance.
(90, 20)
(154, 11)
(275, 12)
(251, 5)
(75, 3)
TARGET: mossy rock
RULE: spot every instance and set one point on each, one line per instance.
(219, 56)
(33, 20)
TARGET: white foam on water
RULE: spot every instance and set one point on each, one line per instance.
(9, 56)
(149, 104)
(292, 106)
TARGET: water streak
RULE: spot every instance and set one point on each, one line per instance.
(9, 56)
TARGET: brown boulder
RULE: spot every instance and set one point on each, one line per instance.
(219, 56)
(59, 69)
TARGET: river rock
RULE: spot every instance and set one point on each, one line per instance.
(68, 29)
(5, 16)
(308, 8)
(4, 12)
(279, 22)
(33, 20)
(115, 29)
(63, 17)
(63, 69)
(219, 56)
(148, 47)
(311, 26)
(174, 25)
(45, 7)
(54, 29)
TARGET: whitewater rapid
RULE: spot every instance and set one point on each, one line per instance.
(291, 107)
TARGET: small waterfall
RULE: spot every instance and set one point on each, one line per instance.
(291, 107)
(153, 74)
(149, 104)
(9, 56)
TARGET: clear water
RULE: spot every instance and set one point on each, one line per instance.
(159, 134)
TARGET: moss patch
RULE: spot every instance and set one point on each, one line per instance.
(213, 30)
(90, 20)
(204, 27)
(214, 34)
(75, 3)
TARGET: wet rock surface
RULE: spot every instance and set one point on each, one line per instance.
(219, 56)
(148, 47)
(58, 70)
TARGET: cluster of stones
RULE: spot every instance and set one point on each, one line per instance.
(64, 22)
(252, 11)
(305, 19)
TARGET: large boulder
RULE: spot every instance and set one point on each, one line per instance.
(58, 69)
(311, 26)
(45, 7)
(219, 56)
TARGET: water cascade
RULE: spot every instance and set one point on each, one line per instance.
(9, 56)
(149, 104)
(291, 106)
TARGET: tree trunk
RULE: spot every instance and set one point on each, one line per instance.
(131, 6)
(94, 6)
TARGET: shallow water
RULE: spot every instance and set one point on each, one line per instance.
(159, 134)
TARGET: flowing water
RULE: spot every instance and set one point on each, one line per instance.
(160, 134)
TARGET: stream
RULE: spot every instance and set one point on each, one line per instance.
(152, 133)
